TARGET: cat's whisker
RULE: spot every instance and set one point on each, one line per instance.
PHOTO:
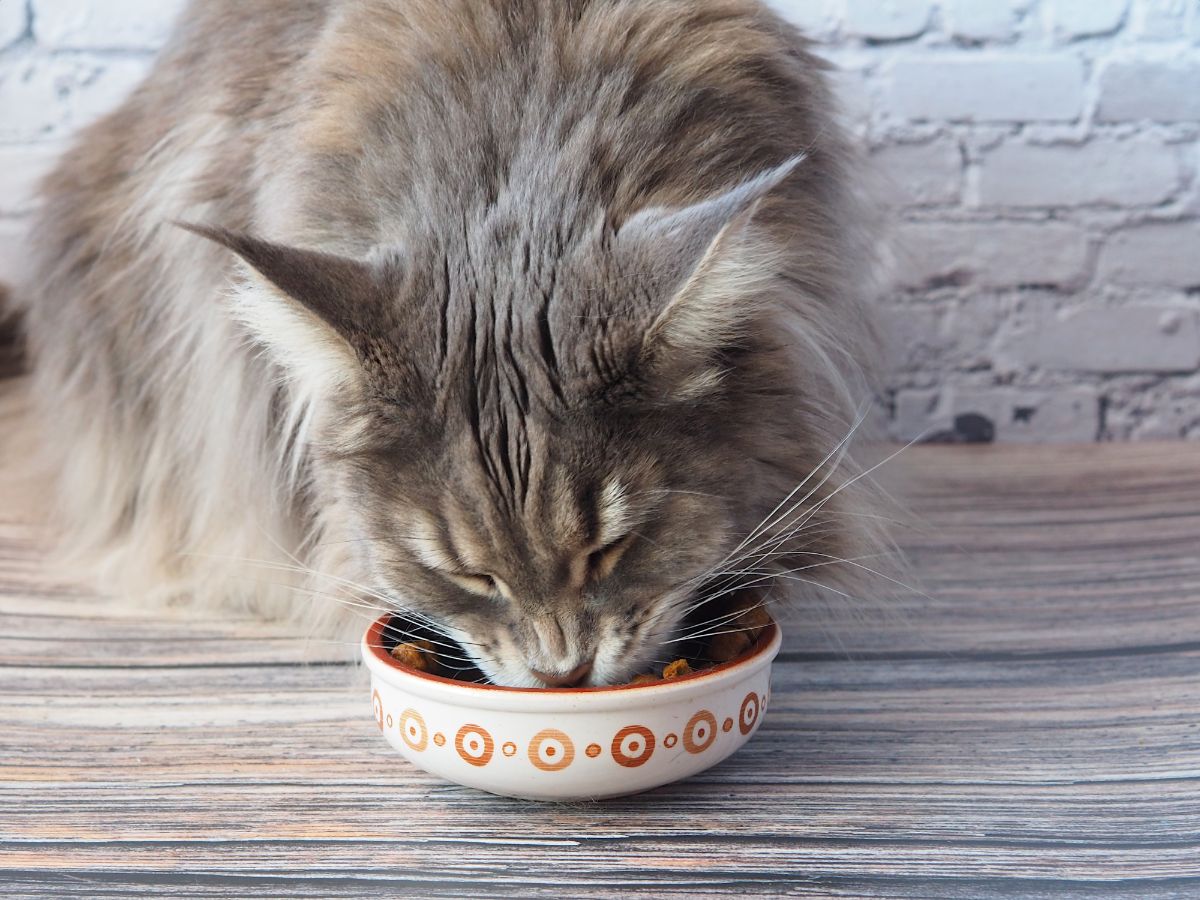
(316, 574)
(825, 500)
(391, 607)
(468, 663)
(372, 608)
(643, 537)
(838, 451)
(708, 634)
(786, 548)
(391, 604)
(743, 552)
(854, 562)
(796, 528)
(704, 629)
(687, 493)
(773, 519)
(767, 575)
(749, 565)
(355, 610)
(765, 556)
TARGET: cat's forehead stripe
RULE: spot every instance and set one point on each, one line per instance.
(613, 512)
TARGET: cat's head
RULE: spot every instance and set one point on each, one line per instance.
(531, 428)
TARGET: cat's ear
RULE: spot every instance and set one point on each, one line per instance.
(336, 289)
(708, 265)
(310, 309)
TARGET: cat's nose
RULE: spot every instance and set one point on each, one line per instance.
(574, 678)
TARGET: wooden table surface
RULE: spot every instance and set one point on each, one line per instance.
(1032, 728)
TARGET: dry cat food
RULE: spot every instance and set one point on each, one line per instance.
(676, 669)
(741, 626)
(735, 638)
(417, 655)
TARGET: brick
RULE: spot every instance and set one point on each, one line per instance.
(991, 254)
(1112, 339)
(113, 24)
(1142, 409)
(1074, 19)
(1175, 411)
(1161, 20)
(49, 97)
(1171, 421)
(1015, 415)
(921, 174)
(928, 337)
(993, 20)
(1156, 254)
(852, 98)
(14, 21)
(816, 19)
(22, 166)
(1096, 173)
(887, 20)
(913, 413)
(912, 336)
(1161, 91)
(984, 88)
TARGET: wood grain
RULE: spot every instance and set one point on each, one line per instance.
(1031, 727)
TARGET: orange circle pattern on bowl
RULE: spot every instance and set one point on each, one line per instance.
(474, 745)
(552, 750)
(633, 746)
(748, 714)
(700, 732)
(413, 730)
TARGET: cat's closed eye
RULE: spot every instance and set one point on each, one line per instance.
(602, 561)
(478, 583)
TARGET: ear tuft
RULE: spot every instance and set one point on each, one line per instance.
(712, 266)
(314, 312)
(336, 289)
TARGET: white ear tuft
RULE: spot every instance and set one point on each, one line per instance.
(713, 264)
(310, 309)
(307, 348)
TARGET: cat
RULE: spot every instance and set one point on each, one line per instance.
(542, 321)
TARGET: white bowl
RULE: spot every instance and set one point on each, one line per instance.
(569, 744)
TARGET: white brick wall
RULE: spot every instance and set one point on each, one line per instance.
(1042, 162)
(1041, 159)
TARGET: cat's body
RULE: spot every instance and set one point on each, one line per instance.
(510, 345)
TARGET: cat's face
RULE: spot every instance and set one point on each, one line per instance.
(570, 562)
(532, 426)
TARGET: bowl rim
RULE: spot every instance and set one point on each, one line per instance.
(762, 652)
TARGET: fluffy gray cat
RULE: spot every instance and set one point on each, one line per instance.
(539, 320)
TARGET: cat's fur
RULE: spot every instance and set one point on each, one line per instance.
(578, 303)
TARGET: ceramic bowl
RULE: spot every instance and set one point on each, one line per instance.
(574, 743)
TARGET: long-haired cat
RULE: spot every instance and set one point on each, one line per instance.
(537, 319)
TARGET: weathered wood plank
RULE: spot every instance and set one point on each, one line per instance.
(286, 886)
